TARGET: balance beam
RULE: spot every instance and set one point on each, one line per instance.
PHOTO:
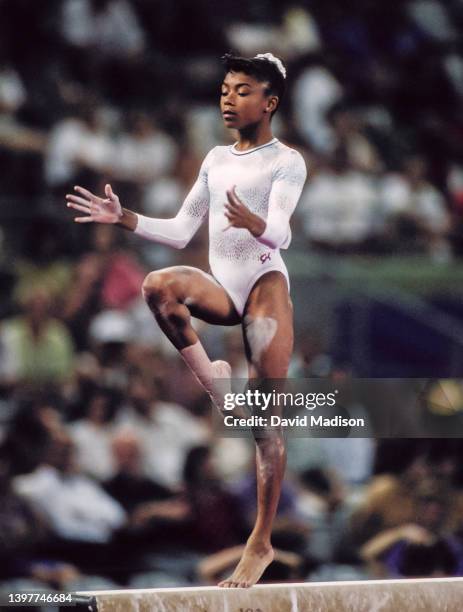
(417, 595)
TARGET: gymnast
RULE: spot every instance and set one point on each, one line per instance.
(248, 191)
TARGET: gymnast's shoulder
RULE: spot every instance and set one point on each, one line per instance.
(290, 163)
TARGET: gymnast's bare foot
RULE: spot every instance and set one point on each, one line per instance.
(255, 559)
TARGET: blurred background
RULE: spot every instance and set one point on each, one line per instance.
(110, 471)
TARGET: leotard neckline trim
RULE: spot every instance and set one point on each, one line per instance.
(266, 144)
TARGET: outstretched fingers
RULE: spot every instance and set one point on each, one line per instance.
(232, 197)
(85, 192)
(76, 200)
(83, 219)
(232, 207)
(81, 205)
(109, 192)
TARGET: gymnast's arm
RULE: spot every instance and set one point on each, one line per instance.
(287, 184)
(286, 189)
(175, 232)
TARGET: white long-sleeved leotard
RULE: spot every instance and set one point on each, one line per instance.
(269, 181)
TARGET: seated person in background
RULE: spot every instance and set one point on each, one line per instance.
(36, 347)
(322, 504)
(337, 207)
(156, 515)
(216, 517)
(427, 547)
(83, 519)
(129, 486)
(436, 560)
(166, 430)
(92, 433)
(107, 276)
(36, 418)
(392, 500)
(22, 532)
(415, 212)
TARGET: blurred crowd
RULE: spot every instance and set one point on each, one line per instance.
(103, 487)
(128, 92)
(111, 470)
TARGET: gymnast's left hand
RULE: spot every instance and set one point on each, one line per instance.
(239, 215)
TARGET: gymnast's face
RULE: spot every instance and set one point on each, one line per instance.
(245, 101)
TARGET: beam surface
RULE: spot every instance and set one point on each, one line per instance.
(417, 595)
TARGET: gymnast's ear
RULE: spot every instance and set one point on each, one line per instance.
(272, 104)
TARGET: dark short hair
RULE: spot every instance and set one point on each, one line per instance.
(261, 69)
(419, 560)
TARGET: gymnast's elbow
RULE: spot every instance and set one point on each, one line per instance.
(273, 240)
(271, 244)
(178, 244)
(181, 243)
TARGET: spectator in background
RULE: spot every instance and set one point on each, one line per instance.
(321, 502)
(79, 147)
(22, 532)
(21, 146)
(425, 547)
(287, 522)
(128, 485)
(166, 430)
(106, 47)
(144, 152)
(12, 91)
(106, 27)
(294, 34)
(315, 92)
(338, 207)
(76, 508)
(42, 263)
(37, 417)
(394, 500)
(161, 198)
(435, 559)
(106, 277)
(157, 515)
(454, 185)
(350, 134)
(36, 347)
(415, 212)
(217, 519)
(86, 524)
(92, 434)
(110, 335)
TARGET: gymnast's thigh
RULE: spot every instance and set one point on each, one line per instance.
(205, 298)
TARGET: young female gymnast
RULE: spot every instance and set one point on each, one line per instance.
(249, 191)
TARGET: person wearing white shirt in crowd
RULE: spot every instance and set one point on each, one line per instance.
(315, 92)
(78, 143)
(337, 207)
(92, 436)
(75, 506)
(144, 153)
(409, 198)
(166, 431)
(108, 26)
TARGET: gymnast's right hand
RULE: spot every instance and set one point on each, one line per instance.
(98, 210)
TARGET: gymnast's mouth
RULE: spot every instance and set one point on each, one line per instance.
(228, 114)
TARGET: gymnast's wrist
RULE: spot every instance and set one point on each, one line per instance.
(128, 220)
(258, 226)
